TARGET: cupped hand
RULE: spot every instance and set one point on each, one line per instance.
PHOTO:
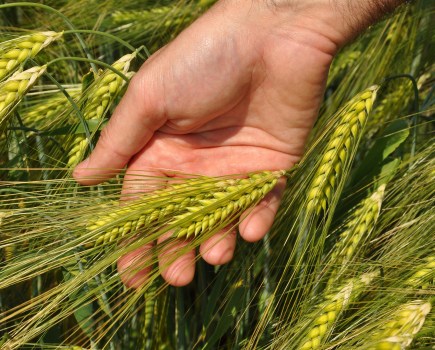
(237, 91)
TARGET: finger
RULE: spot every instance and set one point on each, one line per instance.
(135, 267)
(178, 270)
(131, 126)
(219, 249)
(255, 223)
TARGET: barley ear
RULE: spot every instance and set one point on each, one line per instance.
(226, 205)
(99, 98)
(339, 150)
(360, 225)
(424, 275)
(13, 89)
(150, 210)
(15, 52)
(398, 330)
(327, 313)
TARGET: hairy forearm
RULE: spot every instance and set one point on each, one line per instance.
(346, 17)
(358, 15)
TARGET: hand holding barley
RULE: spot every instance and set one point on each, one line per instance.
(236, 92)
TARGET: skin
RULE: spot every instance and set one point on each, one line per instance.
(237, 91)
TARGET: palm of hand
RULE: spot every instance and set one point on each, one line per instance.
(224, 103)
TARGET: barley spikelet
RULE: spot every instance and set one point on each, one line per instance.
(395, 103)
(101, 95)
(15, 52)
(424, 276)
(339, 149)
(13, 89)
(226, 205)
(328, 312)
(398, 330)
(9, 252)
(359, 226)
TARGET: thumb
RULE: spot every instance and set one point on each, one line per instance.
(139, 113)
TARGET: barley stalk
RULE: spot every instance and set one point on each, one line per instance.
(100, 96)
(339, 150)
(15, 52)
(360, 225)
(330, 310)
(398, 330)
(13, 89)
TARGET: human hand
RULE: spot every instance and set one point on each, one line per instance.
(237, 91)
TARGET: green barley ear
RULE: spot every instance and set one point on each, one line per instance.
(152, 209)
(225, 205)
(424, 276)
(105, 88)
(339, 149)
(397, 331)
(328, 312)
(41, 114)
(16, 51)
(199, 205)
(359, 226)
(100, 96)
(13, 89)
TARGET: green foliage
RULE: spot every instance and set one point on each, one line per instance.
(358, 273)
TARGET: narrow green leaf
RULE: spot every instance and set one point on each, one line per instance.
(93, 125)
(83, 315)
(228, 315)
(394, 135)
